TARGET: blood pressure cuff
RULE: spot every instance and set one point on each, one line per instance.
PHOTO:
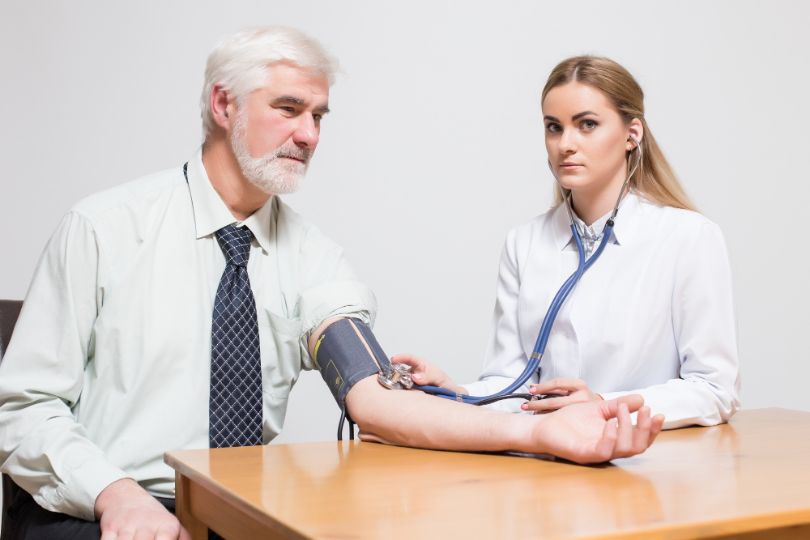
(347, 352)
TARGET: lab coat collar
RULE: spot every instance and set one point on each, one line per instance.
(211, 213)
(624, 230)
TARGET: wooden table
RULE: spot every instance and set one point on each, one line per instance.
(749, 479)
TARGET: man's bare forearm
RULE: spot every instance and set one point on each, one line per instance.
(412, 418)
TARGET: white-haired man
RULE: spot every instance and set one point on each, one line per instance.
(157, 302)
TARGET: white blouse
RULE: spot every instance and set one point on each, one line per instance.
(654, 315)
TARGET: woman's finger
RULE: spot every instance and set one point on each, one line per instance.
(559, 383)
(546, 405)
(545, 391)
(412, 361)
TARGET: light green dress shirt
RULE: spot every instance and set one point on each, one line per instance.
(109, 364)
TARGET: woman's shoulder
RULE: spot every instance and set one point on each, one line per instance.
(540, 232)
(680, 222)
(537, 224)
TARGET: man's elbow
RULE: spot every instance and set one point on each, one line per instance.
(363, 403)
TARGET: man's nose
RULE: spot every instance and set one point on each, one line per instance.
(306, 133)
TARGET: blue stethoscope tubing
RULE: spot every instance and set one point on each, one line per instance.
(559, 299)
(545, 329)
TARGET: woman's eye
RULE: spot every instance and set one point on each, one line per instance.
(552, 128)
(588, 124)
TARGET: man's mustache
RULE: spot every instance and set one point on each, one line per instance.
(301, 154)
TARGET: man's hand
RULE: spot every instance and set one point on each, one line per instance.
(126, 511)
(597, 431)
(570, 391)
(424, 373)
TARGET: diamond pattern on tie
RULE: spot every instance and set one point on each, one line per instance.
(235, 404)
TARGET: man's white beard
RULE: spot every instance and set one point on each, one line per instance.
(270, 173)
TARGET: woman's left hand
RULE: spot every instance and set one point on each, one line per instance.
(569, 391)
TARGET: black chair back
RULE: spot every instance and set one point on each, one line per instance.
(9, 311)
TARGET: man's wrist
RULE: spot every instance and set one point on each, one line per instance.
(522, 432)
(124, 489)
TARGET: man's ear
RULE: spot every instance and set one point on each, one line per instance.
(223, 107)
(635, 132)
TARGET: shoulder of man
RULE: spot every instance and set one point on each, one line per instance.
(301, 231)
(131, 196)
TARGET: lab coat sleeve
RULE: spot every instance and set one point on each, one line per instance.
(505, 359)
(707, 392)
(43, 448)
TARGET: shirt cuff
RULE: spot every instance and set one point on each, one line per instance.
(76, 495)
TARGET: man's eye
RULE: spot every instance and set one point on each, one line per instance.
(317, 117)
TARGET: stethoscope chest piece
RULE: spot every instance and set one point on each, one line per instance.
(397, 377)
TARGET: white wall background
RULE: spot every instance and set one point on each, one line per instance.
(435, 147)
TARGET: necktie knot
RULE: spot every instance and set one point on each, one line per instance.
(235, 244)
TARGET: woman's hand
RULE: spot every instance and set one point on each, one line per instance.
(424, 373)
(569, 391)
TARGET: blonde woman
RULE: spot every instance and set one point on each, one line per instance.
(654, 314)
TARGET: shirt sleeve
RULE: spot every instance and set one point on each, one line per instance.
(332, 290)
(43, 448)
(505, 359)
(707, 392)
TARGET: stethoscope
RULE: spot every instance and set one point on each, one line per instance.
(533, 365)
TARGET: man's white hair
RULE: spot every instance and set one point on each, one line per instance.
(239, 62)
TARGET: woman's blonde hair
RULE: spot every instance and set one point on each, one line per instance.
(654, 178)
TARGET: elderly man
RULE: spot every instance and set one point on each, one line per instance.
(178, 310)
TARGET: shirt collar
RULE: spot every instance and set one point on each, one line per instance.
(624, 230)
(211, 213)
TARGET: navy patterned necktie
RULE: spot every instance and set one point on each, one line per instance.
(235, 404)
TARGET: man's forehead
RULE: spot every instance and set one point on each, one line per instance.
(285, 79)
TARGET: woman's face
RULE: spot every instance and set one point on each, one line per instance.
(586, 138)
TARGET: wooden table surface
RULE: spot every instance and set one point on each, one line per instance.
(750, 475)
